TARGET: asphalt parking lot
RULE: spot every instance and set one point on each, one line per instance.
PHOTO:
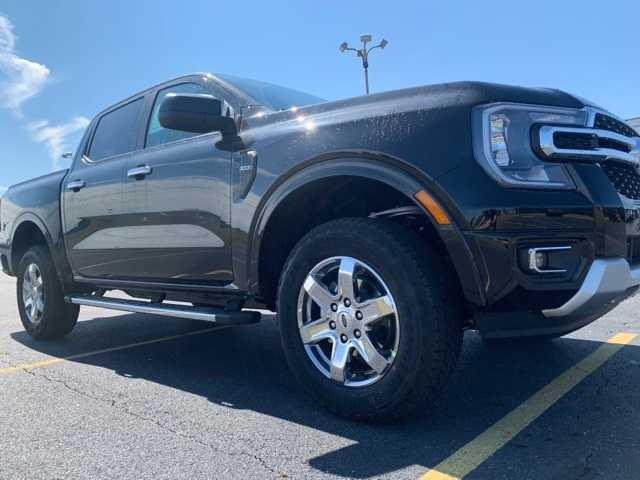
(136, 396)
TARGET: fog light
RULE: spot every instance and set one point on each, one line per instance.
(538, 259)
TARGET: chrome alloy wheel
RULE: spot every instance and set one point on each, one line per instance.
(348, 321)
(33, 293)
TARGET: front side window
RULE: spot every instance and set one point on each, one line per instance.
(116, 131)
(156, 133)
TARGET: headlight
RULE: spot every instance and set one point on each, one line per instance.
(502, 143)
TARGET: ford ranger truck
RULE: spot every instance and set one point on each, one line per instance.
(378, 227)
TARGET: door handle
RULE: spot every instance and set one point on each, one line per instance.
(139, 172)
(76, 185)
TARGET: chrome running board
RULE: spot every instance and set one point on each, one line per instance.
(219, 316)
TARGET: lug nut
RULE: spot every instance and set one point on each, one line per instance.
(357, 333)
(343, 337)
(334, 307)
(347, 302)
(332, 325)
(359, 315)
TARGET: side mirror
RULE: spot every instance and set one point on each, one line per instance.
(197, 113)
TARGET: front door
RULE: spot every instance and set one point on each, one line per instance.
(177, 196)
(94, 220)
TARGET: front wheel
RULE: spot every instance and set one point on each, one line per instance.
(369, 318)
(43, 311)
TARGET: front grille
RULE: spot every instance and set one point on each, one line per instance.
(586, 141)
(624, 177)
(633, 250)
(575, 141)
(605, 122)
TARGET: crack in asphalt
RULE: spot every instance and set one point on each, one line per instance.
(154, 421)
(587, 468)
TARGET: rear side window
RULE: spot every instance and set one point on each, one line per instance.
(116, 131)
(157, 134)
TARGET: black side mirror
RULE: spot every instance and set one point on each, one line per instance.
(197, 113)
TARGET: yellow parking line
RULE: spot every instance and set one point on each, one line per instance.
(53, 360)
(474, 453)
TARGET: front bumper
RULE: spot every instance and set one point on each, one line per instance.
(607, 282)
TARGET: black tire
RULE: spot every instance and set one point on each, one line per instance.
(428, 301)
(58, 317)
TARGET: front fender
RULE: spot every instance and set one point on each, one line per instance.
(393, 172)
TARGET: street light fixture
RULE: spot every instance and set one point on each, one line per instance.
(363, 53)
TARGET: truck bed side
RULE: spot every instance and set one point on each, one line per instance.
(29, 212)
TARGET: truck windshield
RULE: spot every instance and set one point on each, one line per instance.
(270, 95)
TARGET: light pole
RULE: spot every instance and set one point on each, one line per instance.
(364, 54)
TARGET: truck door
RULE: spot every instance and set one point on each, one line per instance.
(95, 223)
(177, 195)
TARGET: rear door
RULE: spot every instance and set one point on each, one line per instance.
(177, 196)
(95, 222)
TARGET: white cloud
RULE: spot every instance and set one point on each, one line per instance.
(54, 137)
(23, 78)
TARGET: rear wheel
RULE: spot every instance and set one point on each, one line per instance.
(41, 305)
(368, 318)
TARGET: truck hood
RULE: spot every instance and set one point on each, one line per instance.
(428, 97)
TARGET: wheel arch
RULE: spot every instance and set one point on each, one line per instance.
(30, 230)
(398, 177)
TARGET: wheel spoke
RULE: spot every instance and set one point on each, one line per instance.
(339, 360)
(39, 305)
(28, 302)
(32, 273)
(316, 331)
(374, 309)
(346, 277)
(370, 354)
(318, 293)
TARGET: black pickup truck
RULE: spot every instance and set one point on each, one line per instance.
(379, 227)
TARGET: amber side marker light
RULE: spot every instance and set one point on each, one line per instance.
(432, 207)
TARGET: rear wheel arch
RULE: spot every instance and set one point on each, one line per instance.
(30, 230)
(298, 197)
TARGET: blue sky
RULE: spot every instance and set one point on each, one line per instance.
(70, 60)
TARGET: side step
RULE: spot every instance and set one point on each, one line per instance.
(219, 316)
